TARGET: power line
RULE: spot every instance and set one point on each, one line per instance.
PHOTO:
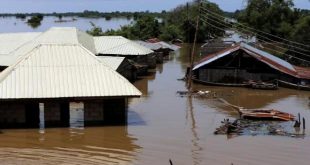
(263, 41)
(205, 2)
(257, 34)
(259, 45)
(223, 24)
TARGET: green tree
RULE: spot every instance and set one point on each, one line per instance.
(301, 30)
(272, 16)
(170, 32)
(95, 30)
(184, 17)
(59, 17)
(35, 21)
(146, 27)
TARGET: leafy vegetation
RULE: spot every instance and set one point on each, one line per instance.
(280, 19)
(35, 20)
(176, 24)
(277, 17)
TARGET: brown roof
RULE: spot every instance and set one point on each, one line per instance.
(303, 72)
(271, 60)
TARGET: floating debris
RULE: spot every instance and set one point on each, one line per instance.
(261, 114)
(249, 127)
(262, 85)
(196, 93)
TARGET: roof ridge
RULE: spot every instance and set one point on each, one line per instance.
(87, 54)
(28, 42)
(8, 70)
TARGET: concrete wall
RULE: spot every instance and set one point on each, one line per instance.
(12, 115)
(18, 114)
(105, 112)
(51, 112)
(115, 111)
(56, 114)
(93, 113)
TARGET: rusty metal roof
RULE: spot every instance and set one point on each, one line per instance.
(271, 60)
(303, 72)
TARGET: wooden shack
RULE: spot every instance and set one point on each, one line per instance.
(53, 78)
(236, 65)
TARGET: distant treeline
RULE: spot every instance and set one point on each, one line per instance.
(90, 14)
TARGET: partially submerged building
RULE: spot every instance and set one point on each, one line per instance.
(55, 69)
(236, 65)
(54, 78)
(15, 48)
(122, 65)
(13, 45)
(10, 42)
(159, 46)
(122, 47)
(162, 49)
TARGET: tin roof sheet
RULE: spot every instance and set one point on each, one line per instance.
(55, 35)
(62, 71)
(118, 45)
(260, 55)
(11, 41)
(152, 46)
(111, 61)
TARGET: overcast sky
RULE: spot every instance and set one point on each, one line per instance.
(48, 6)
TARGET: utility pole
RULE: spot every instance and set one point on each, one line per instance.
(189, 78)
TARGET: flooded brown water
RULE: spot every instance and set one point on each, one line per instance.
(163, 126)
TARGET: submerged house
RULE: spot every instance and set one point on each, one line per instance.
(13, 45)
(55, 78)
(156, 48)
(162, 49)
(122, 47)
(237, 65)
(54, 71)
(10, 42)
(122, 65)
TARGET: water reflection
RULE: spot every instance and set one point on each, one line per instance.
(108, 145)
(195, 139)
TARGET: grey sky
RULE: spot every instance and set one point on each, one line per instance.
(48, 6)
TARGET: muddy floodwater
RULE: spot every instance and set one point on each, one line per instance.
(162, 126)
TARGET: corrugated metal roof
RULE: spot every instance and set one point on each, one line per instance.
(212, 57)
(152, 46)
(118, 45)
(158, 45)
(11, 41)
(111, 61)
(165, 45)
(269, 56)
(303, 72)
(67, 35)
(62, 71)
(55, 35)
(265, 57)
